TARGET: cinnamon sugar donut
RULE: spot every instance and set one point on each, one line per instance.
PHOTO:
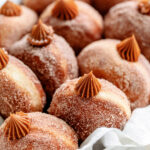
(103, 6)
(88, 103)
(122, 64)
(48, 55)
(20, 90)
(76, 21)
(130, 18)
(15, 21)
(36, 131)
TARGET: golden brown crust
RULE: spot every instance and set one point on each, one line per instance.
(46, 133)
(18, 86)
(104, 60)
(53, 64)
(13, 28)
(27, 71)
(110, 108)
(86, 27)
(124, 20)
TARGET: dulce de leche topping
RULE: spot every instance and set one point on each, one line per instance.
(17, 126)
(129, 49)
(4, 58)
(41, 34)
(88, 86)
(65, 9)
(10, 9)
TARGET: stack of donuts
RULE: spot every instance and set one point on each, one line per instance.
(68, 67)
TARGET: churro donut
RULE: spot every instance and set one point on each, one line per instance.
(103, 6)
(130, 18)
(15, 21)
(36, 131)
(20, 90)
(122, 64)
(88, 103)
(48, 55)
(76, 21)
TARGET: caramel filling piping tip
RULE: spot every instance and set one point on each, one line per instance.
(88, 86)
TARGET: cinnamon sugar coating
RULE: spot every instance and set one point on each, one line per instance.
(109, 108)
(20, 89)
(124, 20)
(12, 28)
(80, 31)
(103, 6)
(132, 78)
(53, 64)
(46, 133)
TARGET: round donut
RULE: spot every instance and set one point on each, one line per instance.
(53, 63)
(108, 107)
(84, 24)
(42, 132)
(126, 19)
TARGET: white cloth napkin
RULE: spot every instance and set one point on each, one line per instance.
(135, 136)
